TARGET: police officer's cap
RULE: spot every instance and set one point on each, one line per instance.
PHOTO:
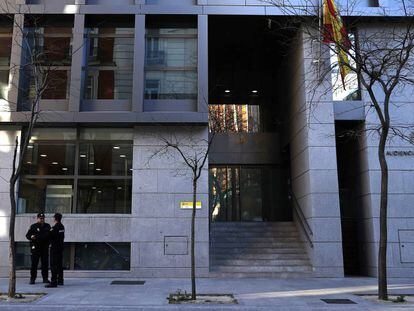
(40, 215)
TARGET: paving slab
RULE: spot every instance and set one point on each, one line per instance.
(251, 293)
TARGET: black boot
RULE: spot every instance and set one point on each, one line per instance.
(60, 282)
(32, 282)
(46, 281)
(51, 285)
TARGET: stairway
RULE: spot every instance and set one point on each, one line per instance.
(257, 249)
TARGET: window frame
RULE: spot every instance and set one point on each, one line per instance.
(77, 176)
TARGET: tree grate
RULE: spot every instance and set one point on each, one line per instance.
(339, 301)
(125, 282)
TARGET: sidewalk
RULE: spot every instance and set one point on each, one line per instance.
(252, 294)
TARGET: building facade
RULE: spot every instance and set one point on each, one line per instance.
(284, 193)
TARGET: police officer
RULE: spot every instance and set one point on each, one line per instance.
(38, 235)
(57, 236)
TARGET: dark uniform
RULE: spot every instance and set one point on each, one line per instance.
(39, 248)
(57, 236)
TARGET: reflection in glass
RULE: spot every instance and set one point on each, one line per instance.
(23, 256)
(248, 193)
(104, 196)
(51, 48)
(45, 195)
(234, 118)
(171, 63)
(105, 159)
(47, 159)
(349, 88)
(110, 62)
(102, 256)
(4, 83)
(5, 50)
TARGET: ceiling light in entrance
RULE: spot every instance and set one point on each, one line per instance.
(227, 91)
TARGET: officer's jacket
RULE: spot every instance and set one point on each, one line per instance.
(41, 232)
(57, 236)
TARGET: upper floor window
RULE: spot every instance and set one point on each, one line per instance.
(77, 171)
(349, 88)
(234, 118)
(47, 57)
(6, 32)
(110, 54)
(171, 58)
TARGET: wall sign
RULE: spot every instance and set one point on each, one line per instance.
(400, 153)
(189, 205)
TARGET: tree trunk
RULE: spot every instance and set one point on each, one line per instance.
(193, 280)
(12, 247)
(382, 252)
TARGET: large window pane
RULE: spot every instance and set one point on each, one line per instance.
(234, 118)
(47, 60)
(105, 159)
(53, 134)
(49, 159)
(5, 50)
(172, 84)
(4, 83)
(110, 62)
(45, 195)
(104, 196)
(171, 63)
(102, 256)
(23, 261)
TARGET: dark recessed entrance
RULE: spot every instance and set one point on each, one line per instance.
(248, 193)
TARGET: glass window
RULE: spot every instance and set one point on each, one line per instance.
(84, 256)
(347, 89)
(104, 196)
(4, 83)
(109, 63)
(234, 118)
(49, 159)
(171, 63)
(5, 54)
(23, 260)
(102, 256)
(105, 159)
(97, 168)
(45, 195)
(51, 47)
(248, 193)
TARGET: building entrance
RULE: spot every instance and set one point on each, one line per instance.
(248, 193)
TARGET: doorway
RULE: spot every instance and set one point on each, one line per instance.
(248, 193)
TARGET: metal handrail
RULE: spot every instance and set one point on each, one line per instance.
(302, 219)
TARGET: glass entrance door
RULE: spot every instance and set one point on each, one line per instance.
(248, 193)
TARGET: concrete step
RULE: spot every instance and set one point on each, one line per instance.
(258, 256)
(238, 240)
(260, 262)
(255, 269)
(251, 234)
(276, 275)
(257, 250)
(258, 245)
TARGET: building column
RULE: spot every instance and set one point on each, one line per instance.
(7, 144)
(313, 159)
(202, 63)
(139, 63)
(78, 59)
(160, 241)
(15, 62)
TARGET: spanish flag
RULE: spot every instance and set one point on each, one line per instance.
(335, 32)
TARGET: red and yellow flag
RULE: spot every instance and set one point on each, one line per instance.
(335, 32)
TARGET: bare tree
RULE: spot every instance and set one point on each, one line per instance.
(381, 61)
(40, 74)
